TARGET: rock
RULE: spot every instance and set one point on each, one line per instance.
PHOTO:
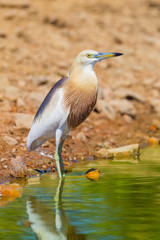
(54, 21)
(21, 102)
(153, 140)
(103, 152)
(129, 95)
(127, 118)
(157, 85)
(14, 3)
(149, 82)
(11, 141)
(3, 160)
(5, 105)
(35, 97)
(156, 122)
(18, 168)
(10, 191)
(154, 93)
(129, 151)
(23, 120)
(155, 103)
(93, 174)
(4, 81)
(124, 107)
(108, 110)
(38, 80)
(3, 34)
(81, 136)
(10, 92)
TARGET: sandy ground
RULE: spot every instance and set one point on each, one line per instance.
(38, 42)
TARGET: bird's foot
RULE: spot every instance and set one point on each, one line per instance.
(46, 154)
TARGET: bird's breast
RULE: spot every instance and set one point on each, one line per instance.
(80, 99)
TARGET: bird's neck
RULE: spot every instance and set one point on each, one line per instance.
(83, 75)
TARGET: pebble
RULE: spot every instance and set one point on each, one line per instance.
(155, 103)
(130, 95)
(124, 107)
(11, 141)
(3, 160)
(127, 118)
(14, 3)
(18, 168)
(3, 34)
(38, 80)
(127, 151)
(156, 122)
(35, 97)
(23, 120)
(5, 105)
(81, 136)
(108, 110)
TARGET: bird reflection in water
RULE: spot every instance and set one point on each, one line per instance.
(50, 225)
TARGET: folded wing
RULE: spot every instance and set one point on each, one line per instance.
(51, 115)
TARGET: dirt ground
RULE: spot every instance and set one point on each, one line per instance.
(39, 40)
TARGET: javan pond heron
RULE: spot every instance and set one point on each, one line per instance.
(68, 104)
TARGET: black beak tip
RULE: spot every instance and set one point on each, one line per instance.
(118, 54)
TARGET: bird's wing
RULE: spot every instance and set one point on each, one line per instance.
(51, 115)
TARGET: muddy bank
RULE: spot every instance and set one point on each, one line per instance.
(38, 42)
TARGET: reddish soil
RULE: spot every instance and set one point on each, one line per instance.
(38, 42)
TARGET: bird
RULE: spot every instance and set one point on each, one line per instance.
(67, 105)
(48, 223)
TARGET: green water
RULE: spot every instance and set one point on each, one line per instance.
(123, 204)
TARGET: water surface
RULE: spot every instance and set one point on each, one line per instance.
(123, 204)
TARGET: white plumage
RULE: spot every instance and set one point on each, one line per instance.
(45, 125)
(68, 104)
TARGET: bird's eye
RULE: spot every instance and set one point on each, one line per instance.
(89, 55)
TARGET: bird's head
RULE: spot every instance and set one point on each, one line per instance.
(90, 57)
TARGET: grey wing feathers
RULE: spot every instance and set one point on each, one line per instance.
(48, 97)
(46, 119)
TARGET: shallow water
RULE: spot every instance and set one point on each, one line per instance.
(123, 204)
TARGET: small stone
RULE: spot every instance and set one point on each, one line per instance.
(23, 120)
(14, 4)
(20, 102)
(129, 95)
(156, 122)
(38, 80)
(35, 97)
(10, 191)
(81, 136)
(3, 160)
(11, 141)
(157, 85)
(153, 140)
(103, 106)
(5, 105)
(18, 168)
(129, 151)
(127, 118)
(93, 174)
(155, 103)
(124, 107)
(54, 21)
(3, 34)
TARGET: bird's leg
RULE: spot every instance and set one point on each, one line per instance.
(58, 205)
(43, 153)
(56, 156)
(60, 156)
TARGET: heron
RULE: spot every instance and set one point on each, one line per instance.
(68, 104)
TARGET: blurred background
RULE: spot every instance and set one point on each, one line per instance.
(39, 40)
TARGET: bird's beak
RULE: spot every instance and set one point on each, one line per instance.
(102, 55)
